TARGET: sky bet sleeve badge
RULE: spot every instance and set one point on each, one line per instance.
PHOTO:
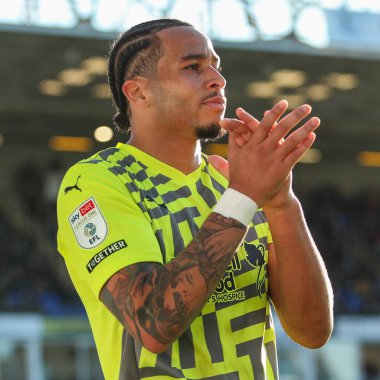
(88, 224)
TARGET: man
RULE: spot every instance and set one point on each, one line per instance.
(176, 272)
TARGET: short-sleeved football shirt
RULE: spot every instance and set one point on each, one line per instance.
(121, 207)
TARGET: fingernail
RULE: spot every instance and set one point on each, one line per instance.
(315, 121)
(281, 104)
(306, 108)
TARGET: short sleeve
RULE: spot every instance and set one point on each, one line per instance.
(101, 229)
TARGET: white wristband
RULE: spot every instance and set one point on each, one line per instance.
(236, 205)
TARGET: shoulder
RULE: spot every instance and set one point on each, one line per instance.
(97, 170)
(94, 176)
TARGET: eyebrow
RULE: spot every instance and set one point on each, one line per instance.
(191, 56)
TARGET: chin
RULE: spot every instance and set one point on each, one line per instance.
(211, 132)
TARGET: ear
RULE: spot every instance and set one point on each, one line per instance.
(134, 91)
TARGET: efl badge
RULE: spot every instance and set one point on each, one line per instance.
(88, 224)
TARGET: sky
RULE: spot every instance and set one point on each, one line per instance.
(273, 17)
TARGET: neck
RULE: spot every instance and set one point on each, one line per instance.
(183, 155)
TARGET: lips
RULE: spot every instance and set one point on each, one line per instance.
(218, 103)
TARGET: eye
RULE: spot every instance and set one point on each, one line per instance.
(194, 67)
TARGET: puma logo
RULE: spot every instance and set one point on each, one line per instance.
(76, 187)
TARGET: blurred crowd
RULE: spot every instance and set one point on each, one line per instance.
(34, 278)
(346, 230)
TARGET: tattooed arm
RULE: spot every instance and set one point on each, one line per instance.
(157, 303)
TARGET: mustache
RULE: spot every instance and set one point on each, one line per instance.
(212, 95)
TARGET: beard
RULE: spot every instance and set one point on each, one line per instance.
(211, 132)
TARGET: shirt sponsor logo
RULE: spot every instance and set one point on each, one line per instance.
(100, 256)
(227, 290)
(88, 224)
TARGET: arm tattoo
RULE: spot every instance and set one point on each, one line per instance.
(156, 301)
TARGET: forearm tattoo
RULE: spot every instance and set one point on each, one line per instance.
(158, 301)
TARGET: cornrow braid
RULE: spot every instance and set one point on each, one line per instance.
(135, 52)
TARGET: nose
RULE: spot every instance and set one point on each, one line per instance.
(216, 80)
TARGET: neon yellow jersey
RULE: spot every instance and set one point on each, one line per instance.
(122, 206)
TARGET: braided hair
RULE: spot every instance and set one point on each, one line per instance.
(135, 52)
